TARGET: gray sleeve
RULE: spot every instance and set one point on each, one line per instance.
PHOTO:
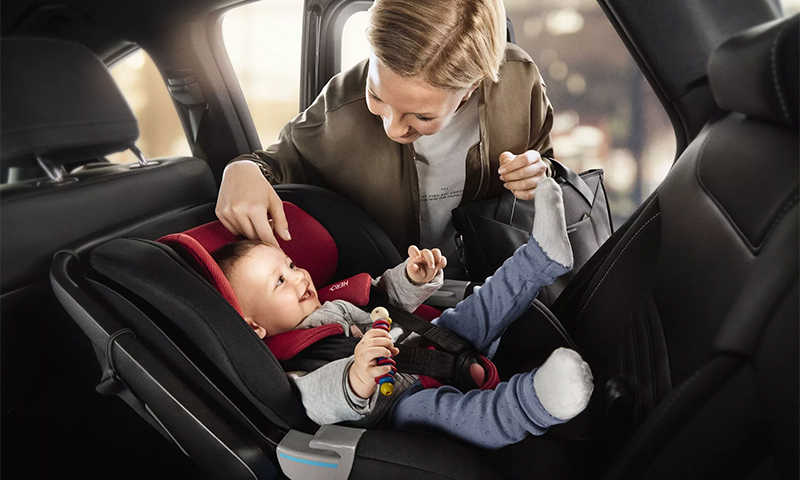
(327, 396)
(402, 291)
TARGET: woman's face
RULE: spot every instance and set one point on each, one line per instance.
(409, 107)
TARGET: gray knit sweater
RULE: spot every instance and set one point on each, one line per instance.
(325, 392)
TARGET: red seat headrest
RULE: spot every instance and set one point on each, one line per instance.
(311, 247)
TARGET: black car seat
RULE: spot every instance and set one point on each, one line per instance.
(61, 114)
(691, 312)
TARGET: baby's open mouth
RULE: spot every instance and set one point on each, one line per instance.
(309, 294)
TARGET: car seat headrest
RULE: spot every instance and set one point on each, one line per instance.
(311, 247)
(756, 72)
(60, 102)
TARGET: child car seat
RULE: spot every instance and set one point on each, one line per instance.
(235, 370)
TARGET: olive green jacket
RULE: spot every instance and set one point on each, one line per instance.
(339, 145)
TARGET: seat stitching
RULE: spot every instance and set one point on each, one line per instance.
(775, 73)
(753, 248)
(637, 371)
(90, 182)
(614, 263)
(780, 216)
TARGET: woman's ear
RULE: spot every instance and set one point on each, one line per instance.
(260, 331)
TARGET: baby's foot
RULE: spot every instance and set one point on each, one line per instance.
(564, 383)
(549, 225)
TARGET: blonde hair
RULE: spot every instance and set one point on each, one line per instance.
(450, 44)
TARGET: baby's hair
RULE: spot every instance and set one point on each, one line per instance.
(229, 255)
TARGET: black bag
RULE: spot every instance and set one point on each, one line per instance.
(488, 232)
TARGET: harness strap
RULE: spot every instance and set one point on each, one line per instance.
(449, 365)
(446, 340)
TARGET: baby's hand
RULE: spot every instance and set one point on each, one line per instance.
(376, 343)
(423, 265)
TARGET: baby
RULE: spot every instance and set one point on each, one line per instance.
(277, 296)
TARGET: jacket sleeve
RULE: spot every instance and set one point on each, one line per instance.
(327, 396)
(541, 120)
(402, 291)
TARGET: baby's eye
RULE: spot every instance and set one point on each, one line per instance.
(291, 265)
(423, 119)
(280, 281)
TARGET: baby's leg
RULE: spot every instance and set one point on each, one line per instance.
(528, 403)
(483, 316)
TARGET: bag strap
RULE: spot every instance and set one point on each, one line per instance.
(573, 179)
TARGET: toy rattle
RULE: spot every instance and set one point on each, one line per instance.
(380, 319)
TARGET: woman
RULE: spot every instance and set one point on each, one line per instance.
(443, 112)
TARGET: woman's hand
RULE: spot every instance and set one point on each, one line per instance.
(423, 265)
(375, 344)
(522, 173)
(248, 205)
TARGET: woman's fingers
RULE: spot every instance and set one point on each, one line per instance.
(524, 184)
(246, 201)
(537, 169)
(276, 213)
(528, 158)
(413, 252)
(262, 229)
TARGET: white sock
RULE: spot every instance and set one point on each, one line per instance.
(564, 383)
(549, 225)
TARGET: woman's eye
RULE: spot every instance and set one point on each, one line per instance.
(423, 119)
(280, 281)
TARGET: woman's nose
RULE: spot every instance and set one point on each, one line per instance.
(393, 125)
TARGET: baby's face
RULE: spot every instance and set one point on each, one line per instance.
(275, 294)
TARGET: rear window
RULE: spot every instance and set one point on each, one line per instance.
(160, 130)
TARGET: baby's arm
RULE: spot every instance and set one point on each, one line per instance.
(344, 390)
(411, 282)
(327, 396)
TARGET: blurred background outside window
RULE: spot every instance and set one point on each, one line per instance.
(263, 41)
(606, 114)
(160, 130)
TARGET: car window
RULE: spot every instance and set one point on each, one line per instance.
(606, 114)
(790, 7)
(354, 42)
(263, 41)
(160, 130)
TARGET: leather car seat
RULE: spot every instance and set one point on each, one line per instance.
(691, 313)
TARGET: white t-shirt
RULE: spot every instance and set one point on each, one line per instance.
(441, 170)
